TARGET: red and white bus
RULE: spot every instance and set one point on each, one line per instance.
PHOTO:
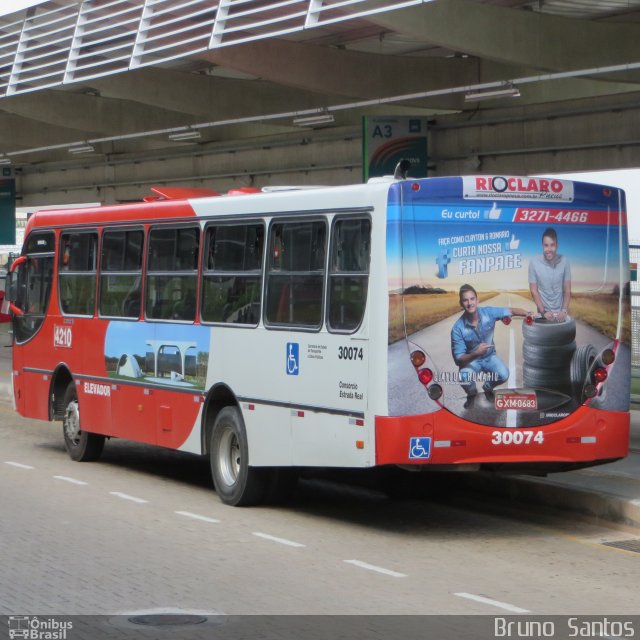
(316, 327)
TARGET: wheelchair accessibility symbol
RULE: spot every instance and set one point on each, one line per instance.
(293, 352)
(419, 448)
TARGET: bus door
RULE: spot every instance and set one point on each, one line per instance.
(78, 334)
(33, 280)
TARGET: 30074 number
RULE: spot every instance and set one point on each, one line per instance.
(516, 436)
(350, 353)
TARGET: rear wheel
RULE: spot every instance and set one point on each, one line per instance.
(81, 446)
(236, 483)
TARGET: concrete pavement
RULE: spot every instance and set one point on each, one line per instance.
(609, 493)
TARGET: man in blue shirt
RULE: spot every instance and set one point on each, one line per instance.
(472, 345)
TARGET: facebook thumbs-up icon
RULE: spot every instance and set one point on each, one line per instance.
(494, 212)
(512, 244)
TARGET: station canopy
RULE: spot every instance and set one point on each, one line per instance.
(134, 76)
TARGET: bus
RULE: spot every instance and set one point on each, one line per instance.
(392, 324)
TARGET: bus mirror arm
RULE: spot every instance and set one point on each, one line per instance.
(12, 286)
(16, 263)
(17, 311)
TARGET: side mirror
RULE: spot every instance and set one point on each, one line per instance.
(11, 287)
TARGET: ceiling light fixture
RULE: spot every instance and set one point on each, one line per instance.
(5, 160)
(85, 148)
(185, 135)
(505, 91)
(482, 90)
(316, 120)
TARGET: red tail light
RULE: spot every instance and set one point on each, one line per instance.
(425, 376)
(506, 320)
(600, 374)
(529, 319)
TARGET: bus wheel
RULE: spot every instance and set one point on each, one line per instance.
(236, 483)
(81, 446)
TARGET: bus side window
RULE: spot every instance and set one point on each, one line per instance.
(232, 278)
(349, 273)
(172, 275)
(121, 273)
(77, 272)
(296, 271)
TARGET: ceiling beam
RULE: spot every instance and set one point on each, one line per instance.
(529, 38)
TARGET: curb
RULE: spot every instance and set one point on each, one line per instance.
(600, 506)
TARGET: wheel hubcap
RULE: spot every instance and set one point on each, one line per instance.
(72, 422)
(229, 457)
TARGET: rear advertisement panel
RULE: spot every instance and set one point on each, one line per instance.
(513, 288)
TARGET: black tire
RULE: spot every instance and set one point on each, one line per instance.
(541, 378)
(581, 364)
(548, 333)
(236, 483)
(541, 356)
(81, 446)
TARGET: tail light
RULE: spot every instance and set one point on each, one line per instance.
(506, 320)
(599, 375)
(418, 358)
(425, 376)
(590, 391)
(529, 319)
(607, 357)
(434, 391)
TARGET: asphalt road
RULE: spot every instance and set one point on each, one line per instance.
(142, 531)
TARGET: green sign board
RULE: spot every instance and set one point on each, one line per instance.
(7, 206)
(387, 140)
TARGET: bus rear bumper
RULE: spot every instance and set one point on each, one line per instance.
(586, 437)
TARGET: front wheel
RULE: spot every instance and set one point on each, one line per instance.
(81, 446)
(236, 483)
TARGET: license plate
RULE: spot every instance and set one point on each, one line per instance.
(527, 401)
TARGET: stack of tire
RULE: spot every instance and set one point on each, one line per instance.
(551, 358)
